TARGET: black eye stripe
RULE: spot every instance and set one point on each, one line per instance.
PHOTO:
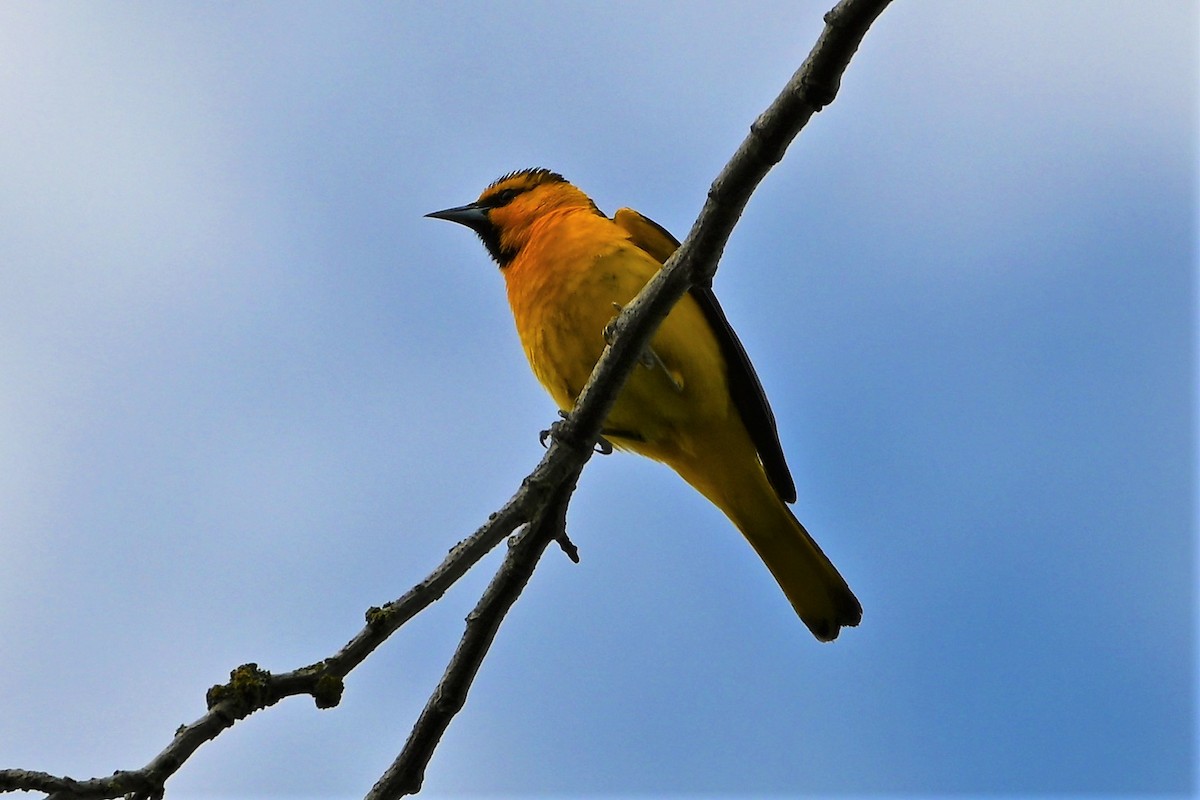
(501, 198)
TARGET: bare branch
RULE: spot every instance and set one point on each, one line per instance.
(541, 502)
(408, 770)
(810, 89)
(251, 689)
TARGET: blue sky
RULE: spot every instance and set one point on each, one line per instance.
(249, 391)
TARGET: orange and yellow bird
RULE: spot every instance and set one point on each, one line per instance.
(693, 402)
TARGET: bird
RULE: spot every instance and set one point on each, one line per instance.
(693, 402)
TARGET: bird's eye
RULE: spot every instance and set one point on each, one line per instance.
(502, 198)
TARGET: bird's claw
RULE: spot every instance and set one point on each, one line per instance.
(601, 447)
(610, 330)
(545, 435)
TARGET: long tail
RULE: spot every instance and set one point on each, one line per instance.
(739, 487)
(812, 584)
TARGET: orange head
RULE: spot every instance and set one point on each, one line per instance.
(504, 214)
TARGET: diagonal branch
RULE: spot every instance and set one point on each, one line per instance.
(810, 89)
(542, 499)
(407, 772)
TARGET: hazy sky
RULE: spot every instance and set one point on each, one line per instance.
(248, 391)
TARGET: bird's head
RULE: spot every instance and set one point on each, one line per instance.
(504, 214)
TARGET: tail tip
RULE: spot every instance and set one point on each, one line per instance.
(827, 628)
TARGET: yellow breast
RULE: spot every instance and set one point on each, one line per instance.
(572, 277)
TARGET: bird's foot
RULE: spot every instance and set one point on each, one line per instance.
(601, 447)
(544, 436)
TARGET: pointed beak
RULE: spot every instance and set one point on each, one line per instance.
(472, 215)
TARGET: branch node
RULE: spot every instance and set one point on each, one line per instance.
(327, 692)
(377, 617)
(768, 147)
(247, 690)
(818, 94)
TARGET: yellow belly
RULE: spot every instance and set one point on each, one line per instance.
(671, 397)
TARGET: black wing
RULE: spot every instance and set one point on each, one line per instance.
(748, 396)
